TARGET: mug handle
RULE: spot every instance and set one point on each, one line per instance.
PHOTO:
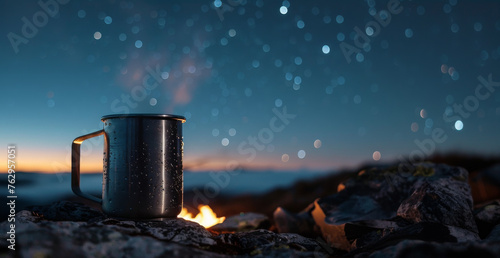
(75, 166)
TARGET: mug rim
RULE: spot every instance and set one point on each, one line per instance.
(144, 115)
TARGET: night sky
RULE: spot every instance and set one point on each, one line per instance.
(285, 85)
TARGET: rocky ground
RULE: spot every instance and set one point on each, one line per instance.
(424, 210)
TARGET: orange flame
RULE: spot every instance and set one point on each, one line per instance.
(206, 217)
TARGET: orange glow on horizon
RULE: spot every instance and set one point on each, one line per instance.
(52, 161)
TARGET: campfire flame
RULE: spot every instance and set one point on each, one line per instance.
(206, 217)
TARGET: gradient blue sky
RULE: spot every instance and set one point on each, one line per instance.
(228, 67)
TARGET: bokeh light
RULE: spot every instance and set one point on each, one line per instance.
(301, 154)
(97, 35)
(317, 144)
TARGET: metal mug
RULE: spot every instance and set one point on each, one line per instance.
(142, 176)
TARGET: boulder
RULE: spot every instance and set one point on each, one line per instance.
(244, 221)
(66, 211)
(265, 242)
(301, 223)
(487, 216)
(445, 200)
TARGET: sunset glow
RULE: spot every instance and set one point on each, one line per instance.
(59, 161)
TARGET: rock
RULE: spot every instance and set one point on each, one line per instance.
(42, 232)
(419, 248)
(494, 235)
(431, 193)
(179, 231)
(426, 231)
(363, 233)
(66, 211)
(301, 223)
(243, 222)
(486, 217)
(444, 200)
(172, 230)
(264, 242)
(333, 234)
